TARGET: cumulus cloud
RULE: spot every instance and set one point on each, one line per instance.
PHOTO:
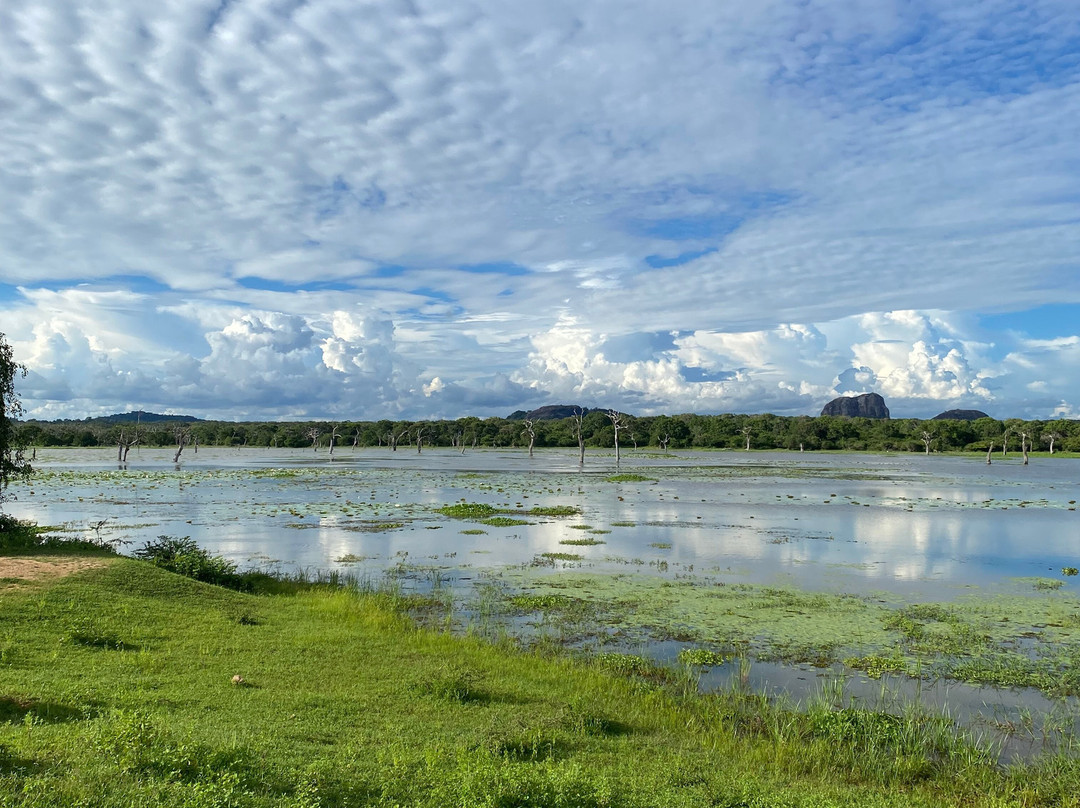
(688, 206)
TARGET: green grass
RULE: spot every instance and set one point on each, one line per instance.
(116, 689)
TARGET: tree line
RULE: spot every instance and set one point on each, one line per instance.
(595, 428)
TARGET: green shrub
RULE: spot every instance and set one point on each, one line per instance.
(183, 556)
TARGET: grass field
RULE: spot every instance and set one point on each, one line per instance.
(124, 684)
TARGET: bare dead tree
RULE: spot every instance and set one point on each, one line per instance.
(356, 439)
(927, 438)
(124, 445)
(1005, 442)
(182, 436)
(334, 435)
(195, 443)
(747, 431)
(617, 423)
(459, 441)
(633, 440)
(1024, 445)
(989, 452)
(314, 433)
(1050, 437)
(392, 439)
(420, 430)
(664, 440)
(579, 433)
(530, 430)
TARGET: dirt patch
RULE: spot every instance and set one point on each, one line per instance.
(21, 570)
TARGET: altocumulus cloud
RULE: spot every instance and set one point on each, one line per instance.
(417, 209)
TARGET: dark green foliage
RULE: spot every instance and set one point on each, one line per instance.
(12, 463)
(726, 431)
(184, 557)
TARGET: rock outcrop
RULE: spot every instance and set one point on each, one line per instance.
(550, 412)
(868, 405)
(960, 415)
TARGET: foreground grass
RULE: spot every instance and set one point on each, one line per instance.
(117, 689)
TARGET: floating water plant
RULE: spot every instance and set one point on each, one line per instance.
(582, 542)
(630, 478)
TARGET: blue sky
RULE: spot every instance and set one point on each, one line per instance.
(333, 209)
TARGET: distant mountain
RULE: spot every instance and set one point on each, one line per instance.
(550, 412)
(960, 415)
(868, 405)
(144, 417)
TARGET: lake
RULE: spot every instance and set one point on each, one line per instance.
(797, 561)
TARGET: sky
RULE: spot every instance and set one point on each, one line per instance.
(275, 209)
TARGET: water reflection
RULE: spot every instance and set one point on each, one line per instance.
(861, 523)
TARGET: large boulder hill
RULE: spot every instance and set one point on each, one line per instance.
(550, 412)
(960, 415)
(868, 405)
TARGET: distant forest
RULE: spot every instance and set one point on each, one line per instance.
(727, 431)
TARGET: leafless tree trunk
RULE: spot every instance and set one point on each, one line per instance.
(1024, 446)
(1005, 443)
(314, 433)
(195, 443)
(1050, 437)
(420, 439)
(633, 439)
(800, 446)
(617, 423)
(746, 430)
(989, 452)
(530, 430)
(664, 441)
(182, 436)
(334, 435)
(124, 445)
(356, 440)
(927, 439)
(459, 440)
(579, 418)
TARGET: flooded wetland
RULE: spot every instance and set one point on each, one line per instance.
(883, 580)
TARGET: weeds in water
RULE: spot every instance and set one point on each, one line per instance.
(554, 510)
(582, 542)
(562, 556)
(1070, 571)
(503, 521)
(701, 656)
(661, 545)
(875, 666)
(468, 510)
(630, 478)
(473, 531)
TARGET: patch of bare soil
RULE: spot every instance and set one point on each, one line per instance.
(22, 570)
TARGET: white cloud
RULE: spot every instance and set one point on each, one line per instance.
(204, 202)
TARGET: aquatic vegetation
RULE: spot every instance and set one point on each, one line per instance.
(630, 478)
(503, 521)
(876, 665)
(553, 510)
(562, 556)
(473, 531)
(661, 545)
(582, 542)
(701, 656)
(468, 510)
